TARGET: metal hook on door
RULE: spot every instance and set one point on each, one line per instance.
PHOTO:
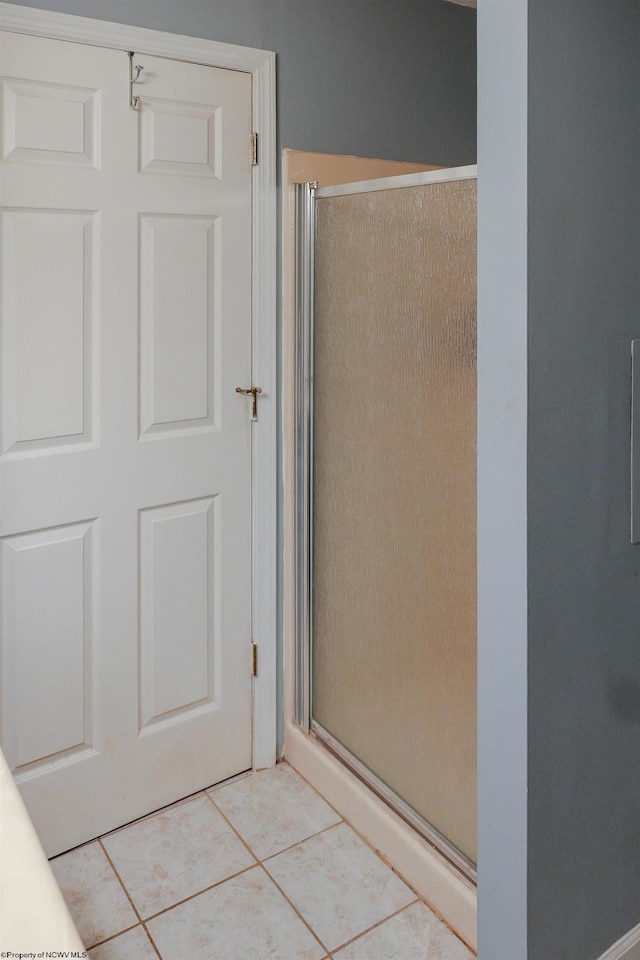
(133, 101)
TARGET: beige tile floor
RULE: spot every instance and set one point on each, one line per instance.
(260, 868)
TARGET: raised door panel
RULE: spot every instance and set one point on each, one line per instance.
(179, 322)
(50, 123)
(179, 631)
(48, 621)
(190, 128)
(49, 317)
(180, 139)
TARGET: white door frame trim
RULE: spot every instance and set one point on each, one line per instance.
(261, 65)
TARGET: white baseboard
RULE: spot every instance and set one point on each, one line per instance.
(450, 895)
(626, 948)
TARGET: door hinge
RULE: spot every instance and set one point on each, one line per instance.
(254, 660)
(254, 149)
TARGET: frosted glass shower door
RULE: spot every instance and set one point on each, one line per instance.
(393, 516)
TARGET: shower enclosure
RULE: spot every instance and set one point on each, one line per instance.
(386, 491)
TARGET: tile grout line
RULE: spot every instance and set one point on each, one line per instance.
(120, 880)
(364, 839)
(367, 929)
(311, 836)
(192, 896)
(417, 897)
(243, 775)
(130, 899)
(294, 908)
(278, 852)
(420, 898)
(271, 855)
(378, 923)
(257, 863)
(260, 863)
(236, 778)
(111, 937)
(121, 934)
(384, 860)
(231, 826)
(144, 920)
(153, 943)
(311, 786)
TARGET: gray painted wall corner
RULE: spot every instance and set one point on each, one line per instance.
(584, 575)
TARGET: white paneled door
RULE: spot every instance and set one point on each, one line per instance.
(126, 452)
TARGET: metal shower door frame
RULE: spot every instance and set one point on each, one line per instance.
(306, 195)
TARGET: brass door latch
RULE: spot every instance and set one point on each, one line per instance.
(251, 392)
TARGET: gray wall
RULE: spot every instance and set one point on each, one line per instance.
(584, 575)
(363, 77)
(559, 672)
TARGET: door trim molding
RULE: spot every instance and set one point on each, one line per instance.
(261, 65)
